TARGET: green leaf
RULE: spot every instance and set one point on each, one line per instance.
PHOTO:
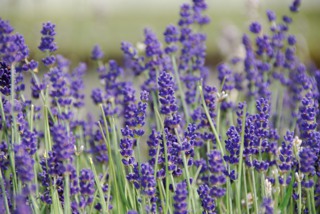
(288, 194)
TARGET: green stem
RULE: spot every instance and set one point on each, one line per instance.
(229, 198)
(98, 184)
(111, 162)
(94, 198)
(181, 91)
(263, 189)
(4, 194)
(46, 125)
(309, 201)
(300, 196)
(34, 204)
(13, 131)
(277, 193)
(245, 189)
(210, 121)
(255, 196)
(238, 199)
(3, 117)
(312, 200)
(191, 197)
(166, 162)
(43, 96)
(218, 116)
(67, 204)
(117, 190)
(196, 176)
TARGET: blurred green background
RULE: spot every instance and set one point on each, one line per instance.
(82, 23)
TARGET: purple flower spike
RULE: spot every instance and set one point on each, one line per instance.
(292, 40)
(271, 15)
(24, 163)
(262, 121)
(285, 154)
(22, 205)
(307, 161)
(98, 96)
(185, 15)
(233, 145)
(47, 39)
(198, 7)
(153, 142)
(97, 53)
(255, 27)
(87, 187)
(171, 36)
(129, 50)
(4, 159)
(207, 201)
(12, 46)
(49, 60)
(294, 7)
(180, 198)
(217, 169)
(148, 185)
(5, 27)
(5, 78)
(306, 121)
(168, 100)
(287, 19)
(225, 76)
(267, 206)
(63, 143)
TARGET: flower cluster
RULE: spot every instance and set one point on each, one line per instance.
(47, 42)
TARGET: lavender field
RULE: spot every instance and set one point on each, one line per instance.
(158, 130)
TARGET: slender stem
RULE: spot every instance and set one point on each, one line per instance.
(238, 199)
(275, 201)
(111, 162)
(181, 91)
(309, 201)
(98, 185)
(245, 189)
(34, 204)
(166, 162)
(46, 121)
(4, 194)
(300, 197)
(262, 187)
(43, 96)
(13, 132)
(3, 116)
(312, 200)
(210, 121)
(109, 193)
(218, 116)
(255, 196)
(187, 173)
(155, 103)
(196, 176)
(94, 198)
(67, 205)
(114, 141)
(229, 197)
(156, 162)
(280, 107)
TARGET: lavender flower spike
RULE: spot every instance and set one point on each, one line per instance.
(180, 197)
(47, 39)
(97, 53)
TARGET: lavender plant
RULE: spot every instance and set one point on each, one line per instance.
(250, 144)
